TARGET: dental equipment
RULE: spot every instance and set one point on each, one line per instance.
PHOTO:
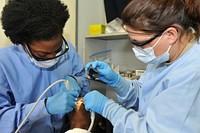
(58, 81)
(67, 85)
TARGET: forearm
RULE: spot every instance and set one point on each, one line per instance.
(122, 87)
(11, 117)
(78, 70)
(113, 111)
(129, 98)
(83, 83)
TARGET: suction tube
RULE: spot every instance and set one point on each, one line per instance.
(92, 117)
(58, 81)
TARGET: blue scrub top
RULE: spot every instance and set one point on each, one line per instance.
(168, 97)
(21, 83)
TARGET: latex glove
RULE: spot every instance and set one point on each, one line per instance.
(73, 85)
(106, 74)
(95, 101)
(62, 102)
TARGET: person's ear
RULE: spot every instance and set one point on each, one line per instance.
(172, 35)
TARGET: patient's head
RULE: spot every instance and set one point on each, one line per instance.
(80, 118)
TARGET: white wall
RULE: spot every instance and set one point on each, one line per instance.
(4, 41)
(69, 29)
(89, 12)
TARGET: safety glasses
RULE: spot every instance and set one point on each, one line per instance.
(59, 52)
(145, 42)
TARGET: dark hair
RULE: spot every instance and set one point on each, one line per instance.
(25, 21)
(158, 15)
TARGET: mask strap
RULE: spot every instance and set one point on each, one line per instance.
(158, 40)
(169, 48)
(28, 51)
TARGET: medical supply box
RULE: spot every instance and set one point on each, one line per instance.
(96, 29)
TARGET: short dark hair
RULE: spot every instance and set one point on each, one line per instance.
(25, 21)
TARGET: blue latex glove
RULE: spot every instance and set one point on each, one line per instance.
(95, 101)
(62, 102)
(105, 73)
(73, 85)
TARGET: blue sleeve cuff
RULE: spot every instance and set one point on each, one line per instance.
(38, 113)
(83, 85)
(122, 87)
(113, 111)
(130, 98)
(77, 80)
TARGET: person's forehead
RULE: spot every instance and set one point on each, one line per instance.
(47, 45)
(132, 31)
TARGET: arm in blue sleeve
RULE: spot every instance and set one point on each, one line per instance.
(128, 92)
(123, 120)
(83, 84)
(122, 87)
(78, 71)
(113, 111)
(39, 111)
(13, 115)
(172, 111)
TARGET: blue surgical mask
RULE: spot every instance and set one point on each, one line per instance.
(148, 56)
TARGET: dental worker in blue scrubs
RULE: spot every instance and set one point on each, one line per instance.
(165, 35)
(38, 57)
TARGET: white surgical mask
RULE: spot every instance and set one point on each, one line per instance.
(44, 64)
(148, 56)
(47, 63)
(77, 130)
